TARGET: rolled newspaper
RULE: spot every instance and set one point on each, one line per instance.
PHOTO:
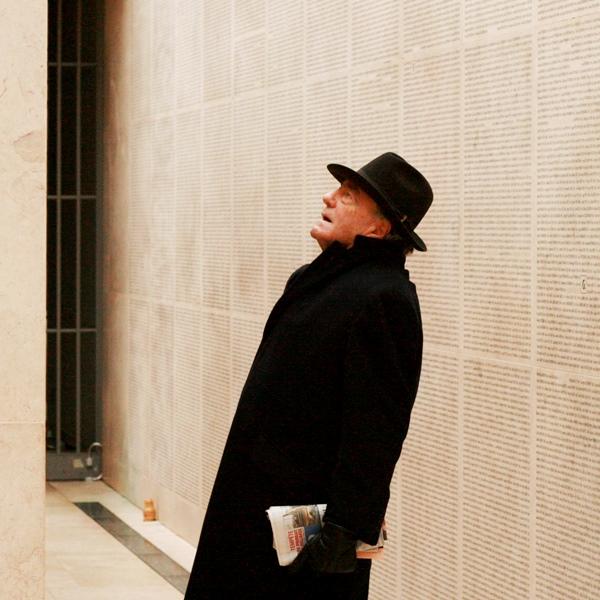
(293, 526)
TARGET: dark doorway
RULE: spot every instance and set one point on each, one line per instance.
(73, 407)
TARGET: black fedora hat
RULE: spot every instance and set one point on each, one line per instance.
(401, 192)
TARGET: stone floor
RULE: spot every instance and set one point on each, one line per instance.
(85, 562)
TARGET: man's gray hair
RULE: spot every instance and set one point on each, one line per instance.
(396, 236)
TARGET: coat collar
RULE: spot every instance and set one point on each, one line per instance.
(376, 248)
(335, 260)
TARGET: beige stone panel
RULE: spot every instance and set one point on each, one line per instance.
(115, 381)
(22, 511)
(22, 209)
(117, 107)
(185, 520)
(22, 358)
(188, 53)
(115, 217)
(23, 84)
(139, 39)
(428, 487)
(115, 243)
(117, 68)
(187, 407)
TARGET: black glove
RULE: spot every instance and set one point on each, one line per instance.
(332, 550)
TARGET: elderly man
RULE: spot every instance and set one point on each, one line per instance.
(326, 406)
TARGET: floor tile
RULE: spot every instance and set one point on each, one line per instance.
(133, 541)
(85, 562)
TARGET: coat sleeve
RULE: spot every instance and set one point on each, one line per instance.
(381, 369)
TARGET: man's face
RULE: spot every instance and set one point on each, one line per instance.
(349, 211)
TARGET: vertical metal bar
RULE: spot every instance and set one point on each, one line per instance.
(78, 237)
(58, 221)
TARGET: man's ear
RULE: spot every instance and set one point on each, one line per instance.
(380, 228)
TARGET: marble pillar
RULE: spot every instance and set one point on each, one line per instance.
(23, 35)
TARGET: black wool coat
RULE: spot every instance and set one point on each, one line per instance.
(321, 419)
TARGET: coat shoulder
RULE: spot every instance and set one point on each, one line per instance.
(384, 290)
(380, 280)
(295, 275)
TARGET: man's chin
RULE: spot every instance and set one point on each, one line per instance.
(316, 234)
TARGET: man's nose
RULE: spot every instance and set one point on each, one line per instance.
(328, 199)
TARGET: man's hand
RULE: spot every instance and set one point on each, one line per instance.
(332, 550)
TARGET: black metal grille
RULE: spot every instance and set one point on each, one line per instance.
(72, 268)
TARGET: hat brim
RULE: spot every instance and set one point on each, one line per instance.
(341, 173)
